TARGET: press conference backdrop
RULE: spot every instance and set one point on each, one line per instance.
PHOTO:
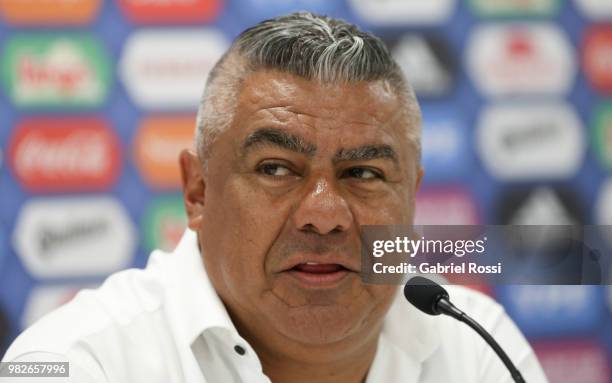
(98, 97)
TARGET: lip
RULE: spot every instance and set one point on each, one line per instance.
(319, 271)
(319, 279)
(348, 264)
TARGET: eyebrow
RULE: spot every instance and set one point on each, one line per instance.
(295, 143)
(365, 153)
(280, 138)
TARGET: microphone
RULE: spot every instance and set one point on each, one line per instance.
(431, 298)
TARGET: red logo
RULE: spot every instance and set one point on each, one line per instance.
(597, 58)
(573, 361)
(67, 154)
(446, 206)
(170, 11)
(520, 44)
(520, 58)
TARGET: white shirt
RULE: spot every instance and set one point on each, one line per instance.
(166, 324)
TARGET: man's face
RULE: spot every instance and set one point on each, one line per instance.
(287, 188)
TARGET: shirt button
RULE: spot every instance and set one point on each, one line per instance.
(239, 350)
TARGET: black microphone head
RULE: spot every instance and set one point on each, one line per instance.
(424, 294)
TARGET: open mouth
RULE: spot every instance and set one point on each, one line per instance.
(314, 273)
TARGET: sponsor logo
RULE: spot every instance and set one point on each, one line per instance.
(604, 204)
(48, 12)
(504, 8)
(597, 58)
(43, 300)
(73, 237)
(68, 154)
(258, 10)
(596, 9)
(427, 62)
(583, 361)
(170, 11)
(3, 245)
(446, 206)
(4, 332)
(603, 210)
(445, 145)
(520, 59)
(402, 12)
(530, 141)
(602, 137)
(553, 309)
(609, 291)
(167, 69)
(541, 205)
(47, 71)
(164, 223)
(158, 144)
(609, 301)
(560, 253)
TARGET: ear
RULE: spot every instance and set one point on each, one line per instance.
(192, 176)
(419, 179)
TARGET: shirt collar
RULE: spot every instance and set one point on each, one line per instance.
(194, 304)
(410, 330)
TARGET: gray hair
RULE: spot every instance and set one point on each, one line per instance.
(311, 46)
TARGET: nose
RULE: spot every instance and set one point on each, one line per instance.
(323, 210)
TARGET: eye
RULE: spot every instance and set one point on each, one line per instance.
(275, 170)
(362, 174)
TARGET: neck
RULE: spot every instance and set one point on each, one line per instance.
(351, 367)
(347, 361)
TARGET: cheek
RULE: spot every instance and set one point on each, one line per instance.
(238, 228)
(394, 208)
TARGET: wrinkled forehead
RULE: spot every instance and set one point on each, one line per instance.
(274, 94)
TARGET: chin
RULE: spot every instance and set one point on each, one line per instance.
(320, 324)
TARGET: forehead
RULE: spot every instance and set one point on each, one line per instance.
(273, 95)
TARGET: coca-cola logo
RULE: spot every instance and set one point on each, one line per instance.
(64, 154)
